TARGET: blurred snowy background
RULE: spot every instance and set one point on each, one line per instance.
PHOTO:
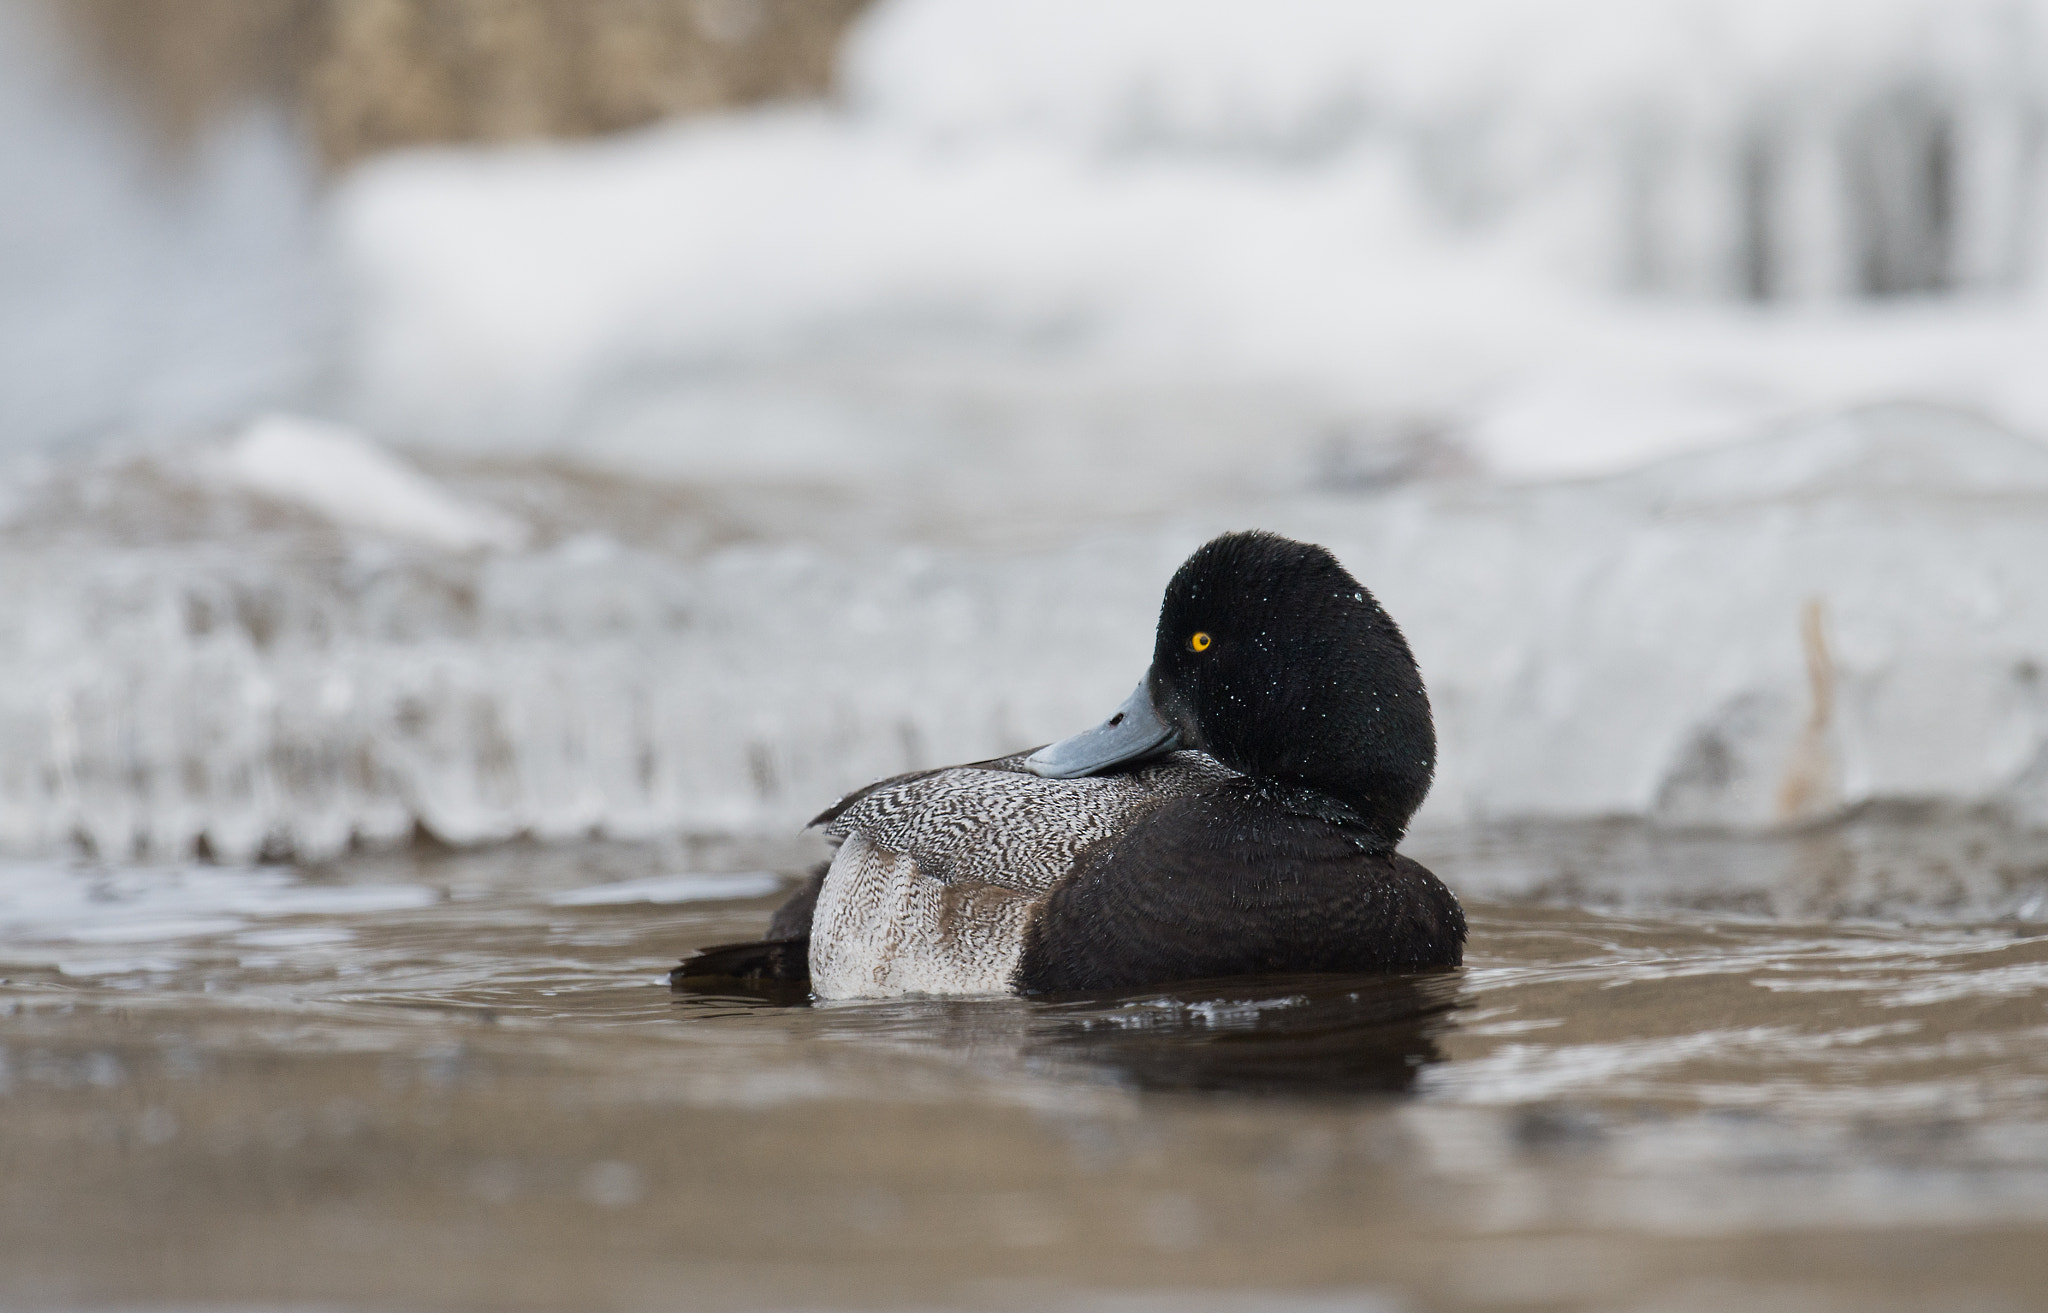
(486, 418)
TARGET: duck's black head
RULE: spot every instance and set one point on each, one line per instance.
(1274, 660)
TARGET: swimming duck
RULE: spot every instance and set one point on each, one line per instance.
(1237, 815)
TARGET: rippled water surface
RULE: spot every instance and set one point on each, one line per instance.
(460, 1080)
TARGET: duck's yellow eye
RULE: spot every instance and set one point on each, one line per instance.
(1200, 642)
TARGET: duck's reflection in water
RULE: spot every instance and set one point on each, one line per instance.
(1301, 1035)
(1322, 1036)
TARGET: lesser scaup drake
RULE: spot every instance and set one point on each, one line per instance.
(1237, 815)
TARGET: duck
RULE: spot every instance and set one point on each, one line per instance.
(1238, 815)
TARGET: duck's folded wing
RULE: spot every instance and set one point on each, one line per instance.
(937, 875)
(995, 824)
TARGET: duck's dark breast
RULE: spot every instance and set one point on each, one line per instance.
(1224, 882)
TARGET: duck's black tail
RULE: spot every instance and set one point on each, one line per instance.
(784, 960)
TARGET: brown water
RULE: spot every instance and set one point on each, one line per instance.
(438, 1081)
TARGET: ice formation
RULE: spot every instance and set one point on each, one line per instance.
(1845, 612)
(1749, 147)
(340, 474)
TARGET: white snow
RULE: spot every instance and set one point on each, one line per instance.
(340, 473)
(1568, 235)
(1574, 235)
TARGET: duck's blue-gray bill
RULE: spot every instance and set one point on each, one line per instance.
(1132, 734)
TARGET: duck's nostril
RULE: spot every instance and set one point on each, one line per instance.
(1117, 719)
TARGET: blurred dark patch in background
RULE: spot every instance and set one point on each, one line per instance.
(368, 75)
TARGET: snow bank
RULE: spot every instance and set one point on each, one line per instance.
(1847, 612)
(1531, 228)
